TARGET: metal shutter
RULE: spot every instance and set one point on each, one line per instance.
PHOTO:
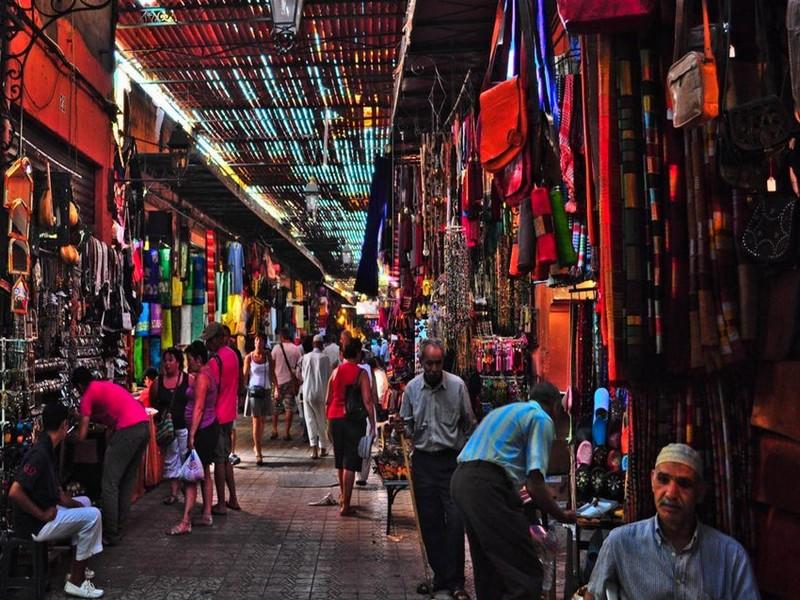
(42, 146)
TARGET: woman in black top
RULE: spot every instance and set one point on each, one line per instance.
(168, 395)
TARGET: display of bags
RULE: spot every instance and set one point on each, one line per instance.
(503, 118)
(591, 16)
(770, 236)
(692, 78)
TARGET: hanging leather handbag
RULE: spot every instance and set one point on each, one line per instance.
(591, 16)
(515, 179)
(770, 235)
(692, 78)
(503, 118)
(543, 229)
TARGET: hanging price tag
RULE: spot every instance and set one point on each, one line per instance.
(772, 185)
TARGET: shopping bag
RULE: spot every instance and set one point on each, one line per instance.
(365, 446)
(192, 468)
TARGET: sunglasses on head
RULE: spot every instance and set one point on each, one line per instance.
(685, 483)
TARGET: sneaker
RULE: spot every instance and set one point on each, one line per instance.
(86, 590)
(234, 459)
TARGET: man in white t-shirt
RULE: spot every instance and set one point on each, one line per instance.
(332, 351)
(285, 357)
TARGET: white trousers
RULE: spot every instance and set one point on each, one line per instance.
(84, 527)
(316, 422)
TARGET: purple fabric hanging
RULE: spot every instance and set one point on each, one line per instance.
(367, 277)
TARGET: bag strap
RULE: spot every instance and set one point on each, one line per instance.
(215, 357)
(499, 25)
(288, 365)
(679, 44)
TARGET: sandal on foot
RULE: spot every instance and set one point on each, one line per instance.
(204, 521)
(287, 438)
(216, 510)
(233, 506)
(424, 589)
(274, 436)
(170, 500)
(181, 528)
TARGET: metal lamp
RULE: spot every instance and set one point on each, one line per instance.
(311, 192)
(179, 145)
(286, 16)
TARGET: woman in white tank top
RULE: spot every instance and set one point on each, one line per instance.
(259, 372)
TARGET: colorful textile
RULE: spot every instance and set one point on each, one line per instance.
(198, 321)
(236, 267)
(198, 279)
(166, 328)
(155, 319)
(138, 359)
(564, 134)
(211, 265)
(143, 324)
(155, 352)
(185, 337)
(165, 276)
(176, 294)
(223, 283)
(151, 276)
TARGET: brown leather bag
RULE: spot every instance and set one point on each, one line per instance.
(504, 116)
(692, 78)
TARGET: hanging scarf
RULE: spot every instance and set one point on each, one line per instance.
(198, 320)
(198, 278)
(166, 328)
(564, 141)
(211, 265)
(632, 206)
(165, 276)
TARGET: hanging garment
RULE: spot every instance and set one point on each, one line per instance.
(166, 328)
(151, 276)
(138, 359)
(155, 319)
(223, 283)
(367, 276)
(155, 353)
(299, 316)
(185, 337)
(165, 278)
(198, 279)
(143, 324)
(211, 266)
(198, 320)
(236, 267)
(138, 269)
(564, 249)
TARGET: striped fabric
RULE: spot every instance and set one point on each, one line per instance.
(516, 437)
(211, 263)
(652, 110)
(629, 123)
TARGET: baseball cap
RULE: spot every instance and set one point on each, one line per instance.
(212, 330)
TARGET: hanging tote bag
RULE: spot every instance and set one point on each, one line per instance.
(503, 118)
(692, 78)
(611, 16)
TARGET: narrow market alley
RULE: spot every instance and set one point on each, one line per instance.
(277, 547)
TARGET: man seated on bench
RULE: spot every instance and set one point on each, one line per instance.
(45, 513)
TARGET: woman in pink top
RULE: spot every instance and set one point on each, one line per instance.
(201, 418)
(113, 406)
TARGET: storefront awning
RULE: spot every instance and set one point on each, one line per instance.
(209, 191)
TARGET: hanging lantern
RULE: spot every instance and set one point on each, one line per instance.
(286, 15)
(311, 192)
(180, 145)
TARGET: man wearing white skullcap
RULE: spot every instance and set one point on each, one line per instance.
(673, 555)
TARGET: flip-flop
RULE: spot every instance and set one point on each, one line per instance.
(181, 528)
(233, 507)
(170, 500)
(218, 511)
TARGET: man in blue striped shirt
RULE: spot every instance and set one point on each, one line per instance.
(672, 555)
(510, 448)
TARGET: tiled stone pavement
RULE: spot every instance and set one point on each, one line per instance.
(277, 547)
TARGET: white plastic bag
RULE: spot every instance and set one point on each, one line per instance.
(365, 446)
(192, 468)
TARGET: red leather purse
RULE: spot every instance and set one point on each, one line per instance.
(515, 179)
(504, 117)
(594, 16)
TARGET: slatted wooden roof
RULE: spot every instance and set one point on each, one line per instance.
(266, 112)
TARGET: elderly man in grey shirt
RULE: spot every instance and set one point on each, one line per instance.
(673, 555)
(436, 411)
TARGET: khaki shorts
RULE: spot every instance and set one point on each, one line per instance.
(286, 398)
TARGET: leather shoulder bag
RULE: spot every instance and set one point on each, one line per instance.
(692, 78)
(503, 117)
